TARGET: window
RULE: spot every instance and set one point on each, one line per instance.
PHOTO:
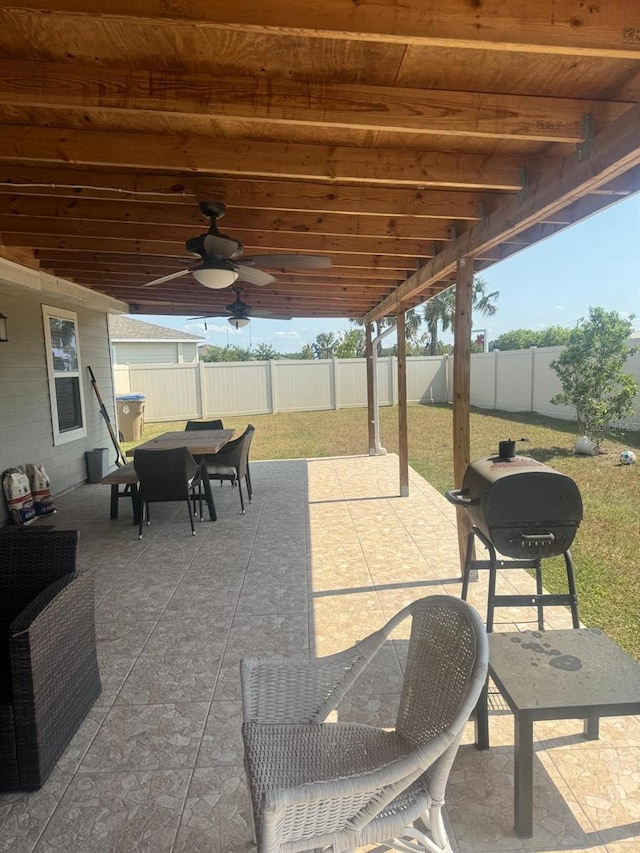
(65, 377)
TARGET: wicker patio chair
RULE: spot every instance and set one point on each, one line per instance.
(49, 676)
(232, 463)
(337, 786)
(166, 476)
(195, 425)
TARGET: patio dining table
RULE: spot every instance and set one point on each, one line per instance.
(199, 443)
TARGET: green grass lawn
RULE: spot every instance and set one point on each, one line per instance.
(606, 550)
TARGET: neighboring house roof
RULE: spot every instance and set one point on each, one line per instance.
(122, 328)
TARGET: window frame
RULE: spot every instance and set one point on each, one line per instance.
(63, 436)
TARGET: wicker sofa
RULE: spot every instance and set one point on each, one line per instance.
(49, 676)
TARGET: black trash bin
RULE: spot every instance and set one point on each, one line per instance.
(96, 464)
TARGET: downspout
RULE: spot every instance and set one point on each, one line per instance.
(379, 449)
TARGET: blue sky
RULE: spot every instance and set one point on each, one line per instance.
(593, 263)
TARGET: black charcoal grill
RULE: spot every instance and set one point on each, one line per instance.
(522, 509)
(525, 508)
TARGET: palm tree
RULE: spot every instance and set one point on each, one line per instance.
(484, 302)
(324, 345)
(441, 309)
(412, 322)
(351, 344)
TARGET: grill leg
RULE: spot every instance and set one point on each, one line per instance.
(539, 590)
(571, 583)
(491, 594)
(468, 559)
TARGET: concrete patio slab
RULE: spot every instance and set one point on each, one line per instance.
(325, 554)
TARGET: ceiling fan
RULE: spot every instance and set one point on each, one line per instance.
(238, 313)
(220, 266)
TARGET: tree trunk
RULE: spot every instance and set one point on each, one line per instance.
(433, 334)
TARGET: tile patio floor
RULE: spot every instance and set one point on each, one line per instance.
(325, 554)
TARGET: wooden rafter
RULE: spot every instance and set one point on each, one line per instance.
(548, 26)
(613, 152)
(392, 138)
(164, 152)
(283, 101)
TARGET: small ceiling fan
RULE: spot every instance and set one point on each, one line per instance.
(238, 313)
(220, 256)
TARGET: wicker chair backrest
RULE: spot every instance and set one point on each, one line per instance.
(440, 664)
(164, 474)
(30, 560)
(196, 425)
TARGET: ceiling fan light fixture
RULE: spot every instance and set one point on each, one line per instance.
(238, 322)
(216, 278)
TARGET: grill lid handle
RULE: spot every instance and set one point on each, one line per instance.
(537, 537)
(455, 497)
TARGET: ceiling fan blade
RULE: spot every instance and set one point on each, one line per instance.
(253, 275)
(267, 315)
(220, 246)
(300, 262)
(208, 316)
(166, 278)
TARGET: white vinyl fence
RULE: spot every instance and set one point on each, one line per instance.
(514, 381)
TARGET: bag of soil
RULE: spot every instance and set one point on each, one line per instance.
(17, 491)
(40, 489)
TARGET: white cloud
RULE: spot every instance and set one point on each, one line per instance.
(195, 328)
(294, 335)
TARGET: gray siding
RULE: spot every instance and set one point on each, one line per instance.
(154, 352)
(25, 413)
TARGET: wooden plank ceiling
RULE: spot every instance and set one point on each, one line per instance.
(393, 137)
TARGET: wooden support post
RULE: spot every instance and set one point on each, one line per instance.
(403, 441)
(462, 389)
(368, 335)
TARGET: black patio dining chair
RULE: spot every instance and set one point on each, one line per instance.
(167, 476)
(232, 463)
(196, 425)
(49, 676)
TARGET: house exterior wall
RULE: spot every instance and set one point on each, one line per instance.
(26, 426)
(154, 352)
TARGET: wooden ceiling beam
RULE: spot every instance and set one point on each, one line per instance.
(78, 262)
(285, 101)
(366, 201)
(137, 188)
(42, 145)
(157, 236)
(361, 274)
(328, 244)
(346, 274)
(548, 26)
(356, 264)
(134, 247)
(624, 185)
(25, 257)
(235, 220)
(612, 153)
(198, 311)
(87, 276)
(193, 305)
(270, 297)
